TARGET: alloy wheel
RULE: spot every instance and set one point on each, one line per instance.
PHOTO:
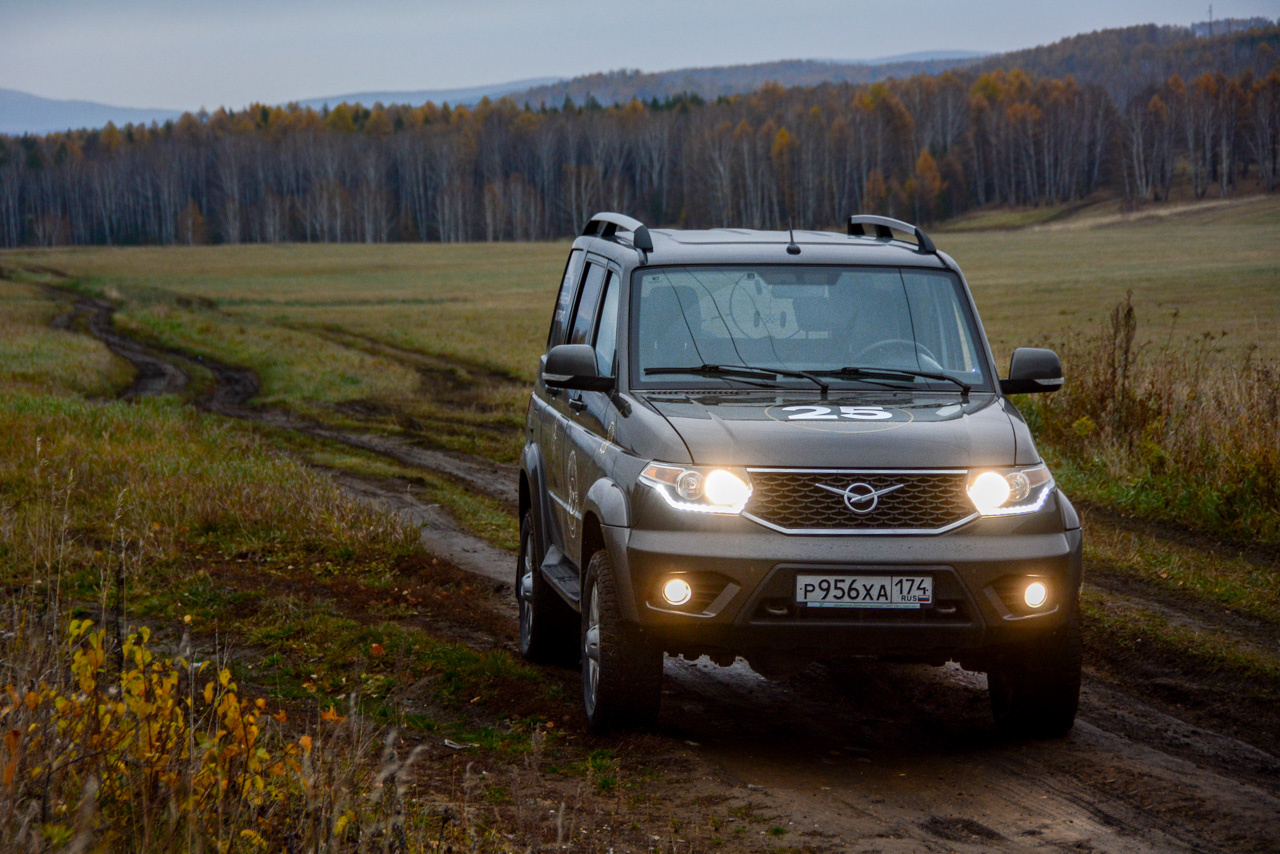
(524, 595)
(591, 653)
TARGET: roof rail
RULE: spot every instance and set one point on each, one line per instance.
(883, 225)
(607, 224)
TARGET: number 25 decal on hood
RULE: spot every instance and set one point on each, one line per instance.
(841, 419)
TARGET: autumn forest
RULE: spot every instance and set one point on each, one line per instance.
(927, 147)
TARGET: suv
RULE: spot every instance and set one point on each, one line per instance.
(788, 446)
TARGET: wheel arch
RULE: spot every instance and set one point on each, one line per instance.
(532, 484)
(609, 504)
(592, 539)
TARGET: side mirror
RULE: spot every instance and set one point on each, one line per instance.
(1033, 371)
(573, 366)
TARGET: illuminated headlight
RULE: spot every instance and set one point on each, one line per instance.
(1008, 492)
(698, 488)
(1036, 594)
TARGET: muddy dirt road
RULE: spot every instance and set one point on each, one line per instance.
(850, 756)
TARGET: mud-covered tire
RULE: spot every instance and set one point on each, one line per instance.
(548, 626)
(1035, 688)
(621, 671)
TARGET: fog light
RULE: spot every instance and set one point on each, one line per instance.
(1035, 594)
(677, 591)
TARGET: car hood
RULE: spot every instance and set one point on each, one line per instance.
(848, 430)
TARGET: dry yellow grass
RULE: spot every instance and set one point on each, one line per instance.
(1217, 267)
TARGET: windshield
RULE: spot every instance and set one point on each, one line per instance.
(855, 325)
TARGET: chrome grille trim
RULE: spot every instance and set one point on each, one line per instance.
(949, 506)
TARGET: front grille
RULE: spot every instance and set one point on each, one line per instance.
(923, 502)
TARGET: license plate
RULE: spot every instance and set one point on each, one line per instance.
(864, 591)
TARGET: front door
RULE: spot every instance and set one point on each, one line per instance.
(548, 405)
(593, 412)
(564, 473)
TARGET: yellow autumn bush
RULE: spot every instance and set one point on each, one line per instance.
(143, 752)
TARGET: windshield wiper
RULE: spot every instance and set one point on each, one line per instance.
(746, 371)
(894, 373)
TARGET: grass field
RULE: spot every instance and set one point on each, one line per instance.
(443, 340)
(191, 514)
(490, 303)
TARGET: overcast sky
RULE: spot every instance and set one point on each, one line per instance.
(185, 54)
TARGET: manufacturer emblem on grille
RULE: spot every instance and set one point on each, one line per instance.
(860, 498)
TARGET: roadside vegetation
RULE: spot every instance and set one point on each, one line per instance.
(1172, 432)
(206, 645)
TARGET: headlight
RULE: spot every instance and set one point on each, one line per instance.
(698, 488)
(1008, 492)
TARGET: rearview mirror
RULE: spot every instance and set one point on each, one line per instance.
(573, 366)
(1033, 371)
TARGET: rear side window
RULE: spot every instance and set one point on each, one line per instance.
(584, 320)
(607, 329)
(568, 286)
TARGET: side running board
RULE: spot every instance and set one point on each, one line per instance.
(562, 575)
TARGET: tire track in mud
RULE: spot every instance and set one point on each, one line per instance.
(161, 371)
(881, 752)
(850, 756)
(155, 375)
(441, 534)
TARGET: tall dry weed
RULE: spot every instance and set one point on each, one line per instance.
(1178, 430)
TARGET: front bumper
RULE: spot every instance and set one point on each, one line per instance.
(746, 574)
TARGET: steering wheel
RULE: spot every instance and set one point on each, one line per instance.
(904, 347)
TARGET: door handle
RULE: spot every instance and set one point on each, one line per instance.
(577, 404)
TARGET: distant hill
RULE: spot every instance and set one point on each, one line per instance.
(1127, 59)
(468, 97)
(922, 56)
(22, 113)
(615, 87)
(1123, 61)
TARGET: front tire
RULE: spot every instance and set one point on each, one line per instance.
(547, 623)
(621, 670)
(1035, 688)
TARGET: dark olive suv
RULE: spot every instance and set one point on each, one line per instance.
(788, 447)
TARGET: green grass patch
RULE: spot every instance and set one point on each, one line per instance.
(39, 360)
(1120, 631)
(1234, 582)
